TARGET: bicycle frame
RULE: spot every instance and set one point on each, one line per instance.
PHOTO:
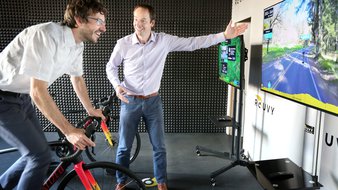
(85, 176)
(57, 173)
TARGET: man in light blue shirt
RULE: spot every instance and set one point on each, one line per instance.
(143, 56)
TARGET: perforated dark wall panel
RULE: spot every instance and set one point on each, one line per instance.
(190, 88)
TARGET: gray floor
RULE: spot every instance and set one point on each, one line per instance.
(186, 170)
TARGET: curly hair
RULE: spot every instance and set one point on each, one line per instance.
(82, 9)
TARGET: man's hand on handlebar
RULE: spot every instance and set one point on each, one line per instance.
(97, 113)
(78, 138)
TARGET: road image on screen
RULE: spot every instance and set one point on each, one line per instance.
(230, 59)
(299, 54)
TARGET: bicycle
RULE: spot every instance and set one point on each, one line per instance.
(106, 144)
(92, 176)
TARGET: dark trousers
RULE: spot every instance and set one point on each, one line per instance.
(20, 127)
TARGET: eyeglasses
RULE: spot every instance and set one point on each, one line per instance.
(99, 21)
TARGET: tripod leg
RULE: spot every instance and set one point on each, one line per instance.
(222, 170)
(219, 154)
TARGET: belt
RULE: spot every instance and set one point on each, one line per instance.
(7, 93)
(145, 97)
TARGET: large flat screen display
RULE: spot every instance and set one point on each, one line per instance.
(299, 52)
(231, 58)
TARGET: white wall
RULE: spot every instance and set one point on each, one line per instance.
(328, 157)
(275, 127)
(269, 125)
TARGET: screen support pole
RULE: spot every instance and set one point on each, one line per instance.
(236, 152)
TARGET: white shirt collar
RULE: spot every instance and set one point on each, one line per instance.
(135, 40)
(69, 39)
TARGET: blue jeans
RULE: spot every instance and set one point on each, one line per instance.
(20, 127)
(152, 112)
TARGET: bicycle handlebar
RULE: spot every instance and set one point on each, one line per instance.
(90, 126)
(106, 104)
(91, 123)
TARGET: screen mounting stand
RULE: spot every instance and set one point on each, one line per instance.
(237, 153)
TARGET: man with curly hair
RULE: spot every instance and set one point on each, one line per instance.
(28, 66)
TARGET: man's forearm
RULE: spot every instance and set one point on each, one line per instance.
(81, 91)
(47, 106)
